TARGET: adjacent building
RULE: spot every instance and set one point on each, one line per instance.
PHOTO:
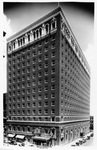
(48, 82)
(5, 112)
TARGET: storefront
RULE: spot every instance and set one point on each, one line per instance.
(42, 140)
(10, 136)
(20, 138)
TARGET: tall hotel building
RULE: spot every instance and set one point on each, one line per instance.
(48, 82)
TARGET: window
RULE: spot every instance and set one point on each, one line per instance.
(34, 60)
(47, 28)
(52, 118)
(28, 91)
(39, 104)
(34, 97)
(37, 34)
(33, 104)
(53, 95)
(23, 112)
(53, 37)
(40, 66)
(46, 88)
(53, 54)
(46, 56)
(46, 103)
(53, 70)
(40, 58)
(23, 105)
(28, 98)
(46, 96)
(40, 32)
(53, 24)
(34, 34)
(28, 70)
(18, 99)
(39, 111)
(40, 82)
(39, 97)
(53, 79)
(53, 111)
(46, 80)
(46, 49)
(23, 40)
(33, 90)
(34, 53)
(53, 62)
(18, 92)
(28, 112)
(39, 51)
(34, 111)
(39, 89)
(46, 64)
(53, 87)
(53, 103)
(18, 105)
(46, 72)
(28, 37)
(53, 45)
(46, 111)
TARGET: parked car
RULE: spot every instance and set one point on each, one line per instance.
(84, 140)
(77, 143)
(73, 145)
(88, 137)
(92, 134)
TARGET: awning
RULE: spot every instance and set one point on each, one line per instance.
(10, 135)
(41, 138)
(20, 136)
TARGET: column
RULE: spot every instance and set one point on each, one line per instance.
(31, 36)
(26, 38)
(43, 30)
(16, 43)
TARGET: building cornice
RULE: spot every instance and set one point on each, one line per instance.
(53, 13)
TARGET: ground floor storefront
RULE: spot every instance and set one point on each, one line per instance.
(47, 134)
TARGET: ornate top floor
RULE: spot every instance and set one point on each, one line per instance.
(40, 29)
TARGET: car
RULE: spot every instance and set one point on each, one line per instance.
(84, 140)
(91, 134)
(77, 143)
(81, 142)
(88, 137)
(73, 145)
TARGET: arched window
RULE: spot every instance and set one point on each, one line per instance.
(14, 45)
(37, 35)
(47, 28)
(18, 42)
(53, 24)
(34, 34)
(23, 40)
(9, 48)
(28, 37)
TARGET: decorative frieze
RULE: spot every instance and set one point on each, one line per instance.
(32, 35)
(67, 33)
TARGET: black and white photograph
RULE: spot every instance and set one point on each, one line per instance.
(49, 74)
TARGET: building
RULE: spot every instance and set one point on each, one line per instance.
(91, 123)
(48, 82)
(5, 112)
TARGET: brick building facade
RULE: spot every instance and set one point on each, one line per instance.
(48, 82)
